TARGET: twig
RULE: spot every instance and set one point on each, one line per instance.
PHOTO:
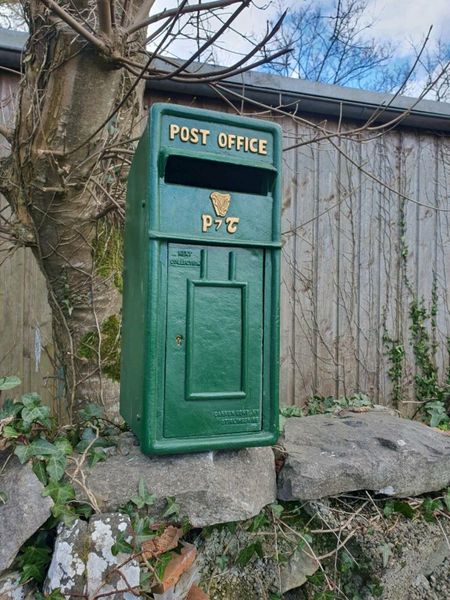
(76, 26)
(175, 11)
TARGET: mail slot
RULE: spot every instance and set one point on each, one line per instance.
(200, 334)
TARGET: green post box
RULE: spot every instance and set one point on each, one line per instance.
(200, 335)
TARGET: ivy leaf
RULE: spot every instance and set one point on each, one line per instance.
(41, 447)
(23, 453)
(40, 471)
(56, 466)
(404, 509)
(8, 383)
(83, 510)
(64, 513)
(143, 497)
(121, 545)
(60, 493)
(247, 553)
(304, 540)
(258, 522)
(54, 595)
(142, 530)
(9, 432)
(429, 508)
(173, 508)
(30, 400)
(63, 445)
(162, 563)
(31, 571)
(36, 414)
(33, 562)
(96, 455)
(397, 506)
(89, 437)
(388, 510)
(10, 408)
(91, 411)
(277, 510)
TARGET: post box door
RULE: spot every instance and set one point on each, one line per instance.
(214, 337)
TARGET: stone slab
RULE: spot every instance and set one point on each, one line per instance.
(24, 511)
(210, 488)
(330, 455)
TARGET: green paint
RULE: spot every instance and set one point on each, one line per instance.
(200, 341)
(109, 347)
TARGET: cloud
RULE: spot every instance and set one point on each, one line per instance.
(404, 23)
(407, 21)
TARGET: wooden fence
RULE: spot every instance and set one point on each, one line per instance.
(365, 233)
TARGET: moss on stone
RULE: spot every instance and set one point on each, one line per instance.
(109, 346)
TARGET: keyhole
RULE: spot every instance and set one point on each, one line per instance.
(179, 340)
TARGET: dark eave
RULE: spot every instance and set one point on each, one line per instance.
(304, 97)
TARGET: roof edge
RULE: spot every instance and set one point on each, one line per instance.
(289, 94)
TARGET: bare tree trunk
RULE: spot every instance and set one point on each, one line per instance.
(67, 178)
(79, 114)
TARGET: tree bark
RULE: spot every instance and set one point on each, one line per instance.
(67, 175)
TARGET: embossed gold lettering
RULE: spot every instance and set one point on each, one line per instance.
(241, 143)
(207, 221)
(222, 140)
(254, 145)
(174, 130)
(184, 134)
(188, 134)
(204, 133)
(232, 223)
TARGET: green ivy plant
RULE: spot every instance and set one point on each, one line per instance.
(27, 427)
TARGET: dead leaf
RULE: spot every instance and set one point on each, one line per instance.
(196, 593)
(168, 540)
(4, 442)
(176, 567)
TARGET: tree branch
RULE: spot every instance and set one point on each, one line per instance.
(209, 42)
(62, 14)
(142, 13)
(212, 76)
(6, 132)
(104, 17)
(175, 11)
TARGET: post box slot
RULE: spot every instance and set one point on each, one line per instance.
(201, 173)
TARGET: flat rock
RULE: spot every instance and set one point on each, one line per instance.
(84, 565)
(212, 487)
(24, 511)
(330, 455)
(295, 571)
(67, 569)
(12, 589)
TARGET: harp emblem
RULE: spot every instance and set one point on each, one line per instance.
(221, 203)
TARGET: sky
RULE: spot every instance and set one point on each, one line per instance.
(404, 23)
(400, 21)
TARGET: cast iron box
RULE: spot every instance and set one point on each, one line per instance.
(200, 334)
